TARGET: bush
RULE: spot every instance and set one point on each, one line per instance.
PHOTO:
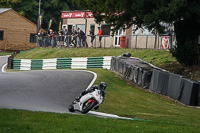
(184, 54)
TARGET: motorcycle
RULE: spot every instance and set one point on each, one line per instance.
(89, 99)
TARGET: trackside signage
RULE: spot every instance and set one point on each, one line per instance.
(77, 14)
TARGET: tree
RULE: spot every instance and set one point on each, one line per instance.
(8, 3)
(50, 8)
(185, 14)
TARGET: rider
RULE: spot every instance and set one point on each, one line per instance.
(102, 87)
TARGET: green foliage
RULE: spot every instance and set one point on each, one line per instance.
(184, 54)
(148, 13)
(50, 8)
(9, 3)
(4, 53)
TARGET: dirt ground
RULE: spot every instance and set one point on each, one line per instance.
(192, 72)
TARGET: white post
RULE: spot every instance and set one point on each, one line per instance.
(39, 6)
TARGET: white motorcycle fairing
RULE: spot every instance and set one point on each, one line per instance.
(93, 96)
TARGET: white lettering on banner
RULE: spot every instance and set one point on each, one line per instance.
(73, 15)
(70, 15)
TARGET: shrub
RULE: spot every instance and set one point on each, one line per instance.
(184, 54)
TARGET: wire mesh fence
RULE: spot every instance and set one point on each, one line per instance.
(128, 41)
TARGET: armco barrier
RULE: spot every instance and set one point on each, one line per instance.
(62, 63)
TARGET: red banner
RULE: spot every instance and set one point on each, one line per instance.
(89, 15)
(73, 14)
(81, 14)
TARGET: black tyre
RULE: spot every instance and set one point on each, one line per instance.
(71, 108)
(87, 107)
(96, 108)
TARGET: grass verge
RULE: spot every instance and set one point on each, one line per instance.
(157, 57)
(122, 99)
(4, 53)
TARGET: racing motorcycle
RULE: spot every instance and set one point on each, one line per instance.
(89, 99)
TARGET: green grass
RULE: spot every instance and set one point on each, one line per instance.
(5, 53)
(156, 57)
(121, 99)
(40, 122)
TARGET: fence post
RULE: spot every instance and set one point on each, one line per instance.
(158, 41)
(155, 41)
(146, 41)
(95, 42)
(136, 42)
(104, 41)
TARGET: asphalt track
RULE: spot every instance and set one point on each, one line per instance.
(49, 91)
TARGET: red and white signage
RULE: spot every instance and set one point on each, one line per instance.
(89, 15)
(77, 15)
(73, 14)
(165, 42)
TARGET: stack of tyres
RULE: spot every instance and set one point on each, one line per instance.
(189, 92)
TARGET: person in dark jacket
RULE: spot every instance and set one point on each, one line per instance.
(91, 34)
(83, 38)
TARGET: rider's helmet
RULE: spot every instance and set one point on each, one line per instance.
(102, 85)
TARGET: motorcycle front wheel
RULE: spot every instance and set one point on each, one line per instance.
(71, 108)
(87, 107)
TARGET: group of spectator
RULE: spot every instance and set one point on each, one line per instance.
(63, 38)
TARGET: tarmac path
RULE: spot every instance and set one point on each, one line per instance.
(49, 91)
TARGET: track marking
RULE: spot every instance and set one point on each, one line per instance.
(98, 114)
(3, 68)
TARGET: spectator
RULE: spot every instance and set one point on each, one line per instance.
(171, 37)
(52, 38)
(100, 34)
(40, 39)
(65, 34)
(79, 37)
(170, 32)
(83, 38)
(59, 41)
(74, 37)
(91, 34)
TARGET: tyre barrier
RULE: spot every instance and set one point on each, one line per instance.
(133, 69)
(175, 86)
(62, 63)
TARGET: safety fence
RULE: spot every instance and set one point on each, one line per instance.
(62, 63)
(107, 41)
(147, 76)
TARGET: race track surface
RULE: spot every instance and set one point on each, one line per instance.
(50, 91)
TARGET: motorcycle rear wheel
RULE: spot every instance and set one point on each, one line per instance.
(87, 107)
